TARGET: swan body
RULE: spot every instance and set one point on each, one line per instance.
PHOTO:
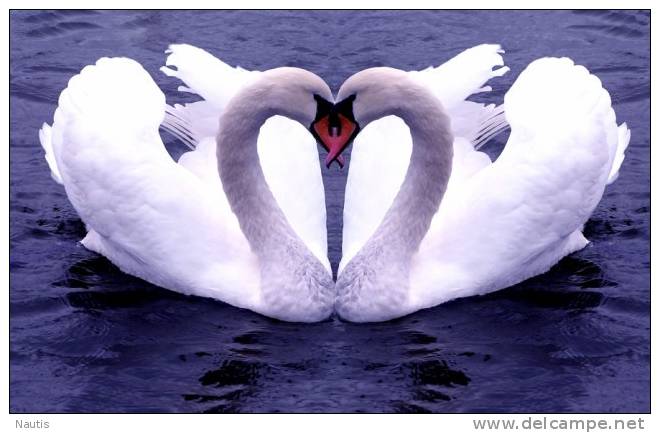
(189, 226)
(444, 222)
(433, 231)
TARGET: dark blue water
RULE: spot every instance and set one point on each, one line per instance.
(87, 338)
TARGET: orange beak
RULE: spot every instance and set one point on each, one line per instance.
(335, 132)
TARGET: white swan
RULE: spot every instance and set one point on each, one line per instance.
(259, 244)
(498, 223)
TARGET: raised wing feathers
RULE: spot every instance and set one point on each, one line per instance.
(149, 215)
(517, 217)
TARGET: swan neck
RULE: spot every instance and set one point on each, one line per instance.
(260, 217)
(375, 283)
(406, 222)
(294, 284)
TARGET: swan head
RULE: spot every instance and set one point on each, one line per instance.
(304, 97)
(293, 93)
(367, 96)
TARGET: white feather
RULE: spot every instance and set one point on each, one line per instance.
(381, 152)
(171, 224)
(127, 189)
(520, 215)
(499, 222)
(287, 151)
(46, 140)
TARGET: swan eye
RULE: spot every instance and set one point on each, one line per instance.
(323, 107)
(345, 107)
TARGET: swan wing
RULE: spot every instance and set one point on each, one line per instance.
(287, 151)
(518, 216)
(462, 76)
(150, 216)
(207, 76)
(381, 152)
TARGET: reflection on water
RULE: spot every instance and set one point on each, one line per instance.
(87, 338)
(260, 359)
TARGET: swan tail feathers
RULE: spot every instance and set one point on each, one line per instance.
(45, 138)
(187, 62)
(468, 73)
(491, 64)
(464, 75)
(204, 74)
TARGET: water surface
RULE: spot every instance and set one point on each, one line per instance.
(87, 338)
